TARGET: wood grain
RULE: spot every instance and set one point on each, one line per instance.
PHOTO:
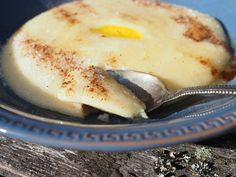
(216, 157)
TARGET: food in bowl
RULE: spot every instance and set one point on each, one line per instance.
(58, 60)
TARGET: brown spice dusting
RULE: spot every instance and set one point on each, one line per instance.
(128, 17)
(95, 78)
(83, 6)
(63, 14)
(112, 61)
(230, 73)
(147, 3)
(198, 31)
(214, 71)
(66, 64)
(63, 62)
(71, 16)
(208, 63)
(171, 7)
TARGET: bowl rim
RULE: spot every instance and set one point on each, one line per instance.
(137, 136)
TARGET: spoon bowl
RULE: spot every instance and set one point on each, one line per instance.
(153, 92)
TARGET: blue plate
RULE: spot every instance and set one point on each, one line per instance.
(190, 120)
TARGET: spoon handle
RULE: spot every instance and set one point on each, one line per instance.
(201, 90)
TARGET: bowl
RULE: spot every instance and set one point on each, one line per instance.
(190, 120)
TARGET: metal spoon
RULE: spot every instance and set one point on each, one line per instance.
(153, 92)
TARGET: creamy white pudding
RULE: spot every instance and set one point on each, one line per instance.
(58, 59)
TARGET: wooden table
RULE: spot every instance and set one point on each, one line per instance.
(215, 157)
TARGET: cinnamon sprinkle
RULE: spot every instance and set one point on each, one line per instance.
(66, 64)
(83, 6)
(147, 3)
(207, 63)
(170, 7)
(95, 78)
(198, 31)
(230, 73)
(70, 16)
(111, 61)
(63, 14)
(63, 62)
(129, 17)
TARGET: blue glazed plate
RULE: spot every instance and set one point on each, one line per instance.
(189, 120)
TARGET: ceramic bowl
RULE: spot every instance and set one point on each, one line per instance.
(190, 120)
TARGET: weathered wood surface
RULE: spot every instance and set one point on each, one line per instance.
(216, 157)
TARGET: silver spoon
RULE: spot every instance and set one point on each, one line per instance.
(153, 92)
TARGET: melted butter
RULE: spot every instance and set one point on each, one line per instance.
(118, 32)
